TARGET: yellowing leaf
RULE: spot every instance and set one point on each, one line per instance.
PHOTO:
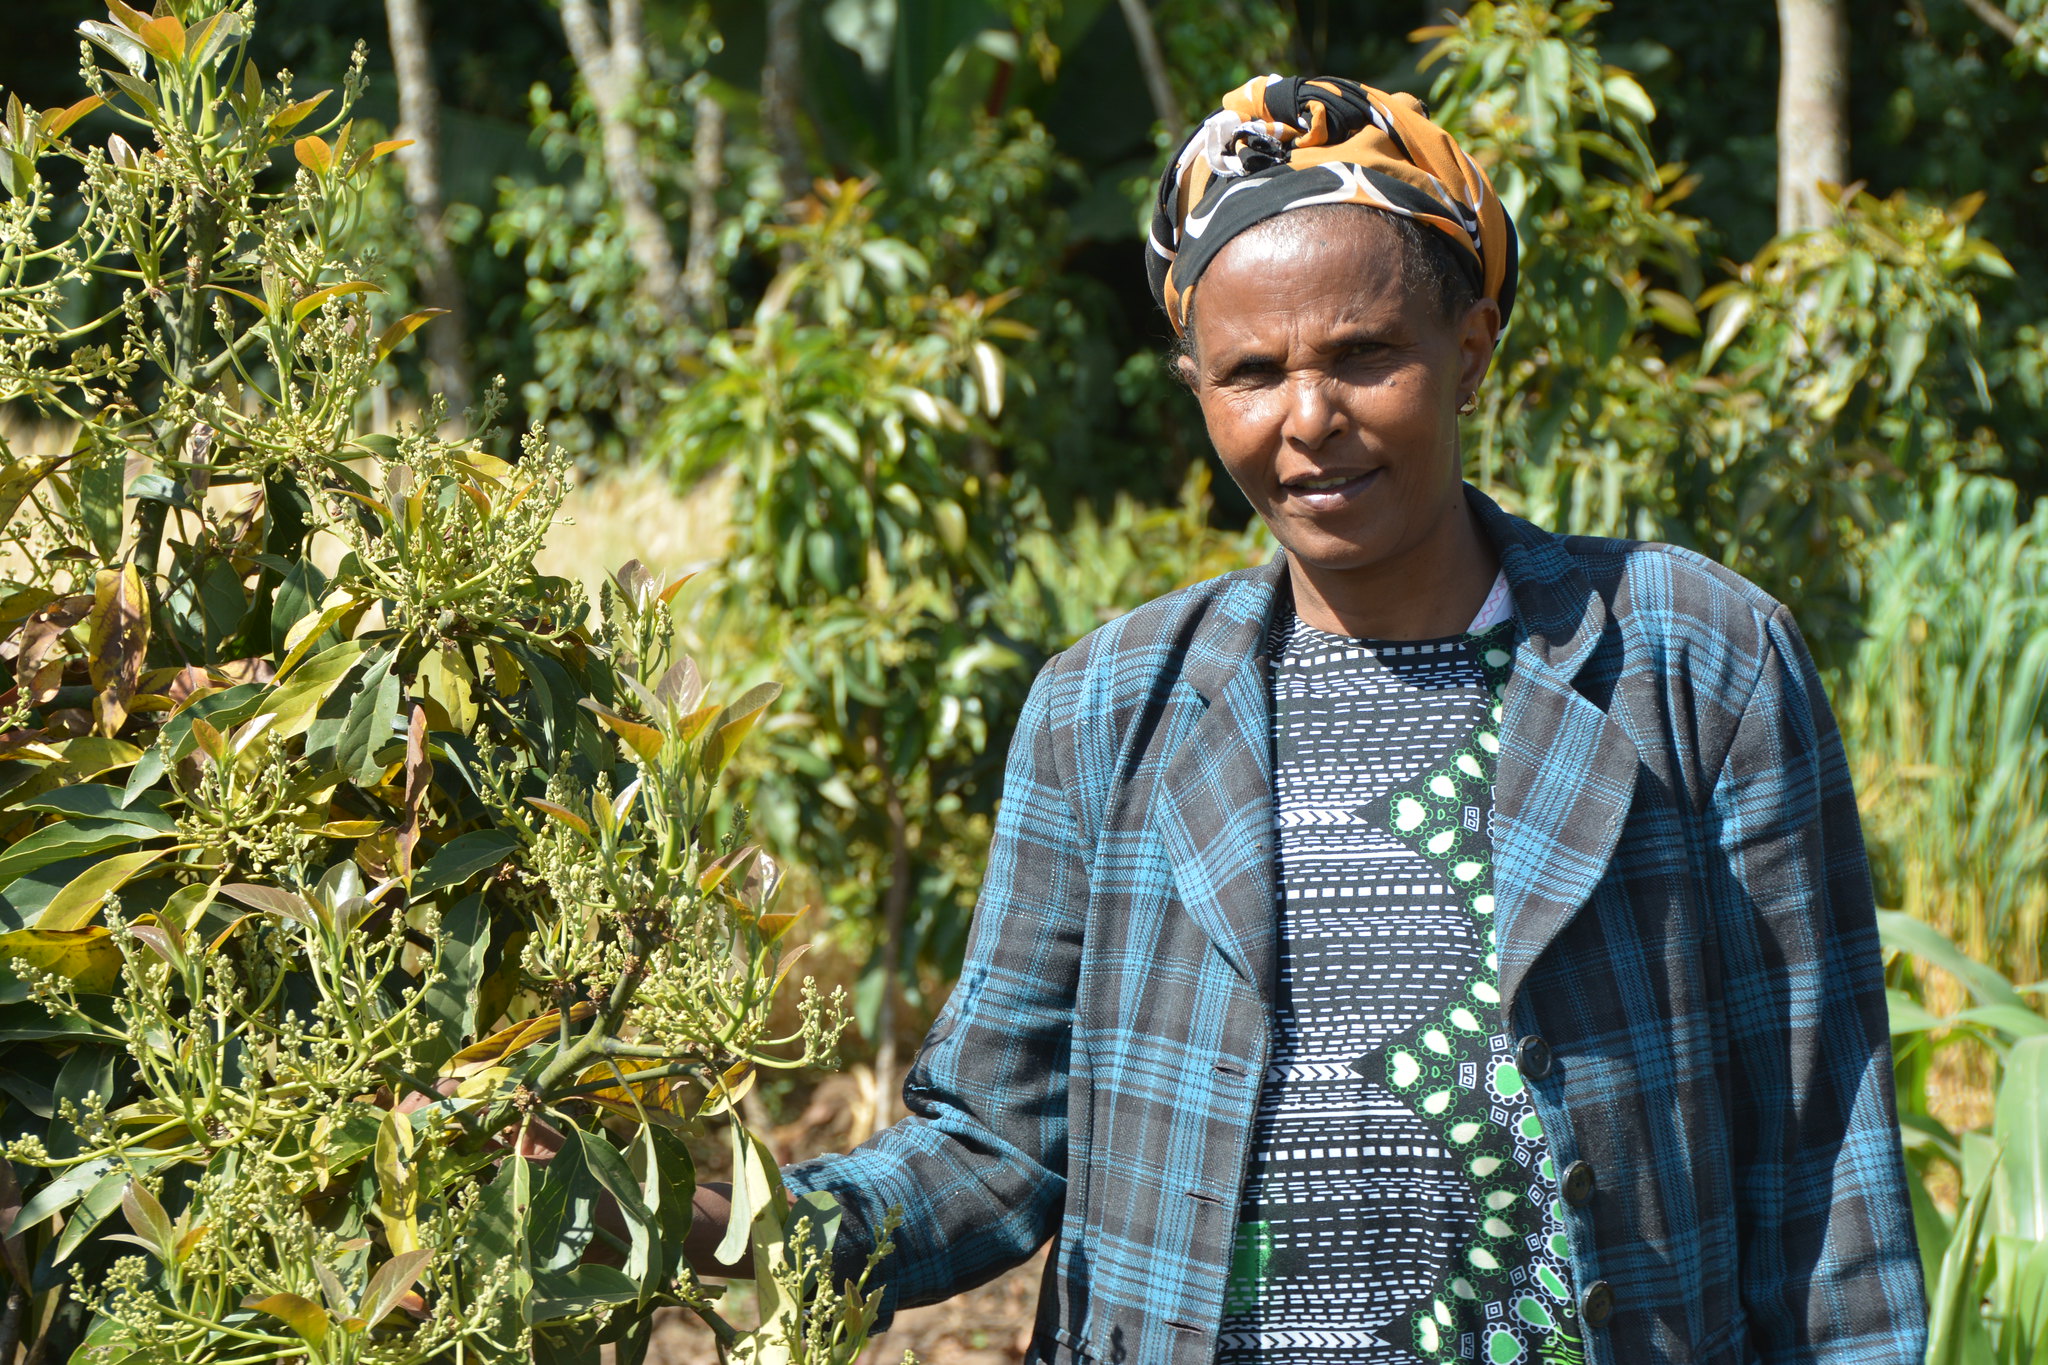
(292, 115)
(732, 1087)
(403, 328)
(57, 122)
(513, 1037)
(165, 37)
(314, 154)
(692, 724)
(445, 680)
(734, 723)
(118, 636)
(296, 702)
(306, 305)
(248, 298)
(303, 1316)
(562, 813)
(307, 629)
(75, 905)
(348, 829)
(643, 740)
(134, 20)
(398, 1183)
(87, 958)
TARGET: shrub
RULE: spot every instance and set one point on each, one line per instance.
(367, 934)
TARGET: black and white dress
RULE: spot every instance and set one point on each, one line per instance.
(1400, 1202)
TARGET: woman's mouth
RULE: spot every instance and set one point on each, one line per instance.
(1320, 492)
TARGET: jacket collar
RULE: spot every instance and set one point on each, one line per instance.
(1561, 793)
(1562, 618)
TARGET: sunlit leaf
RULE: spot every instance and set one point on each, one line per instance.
(303, 1316)
(89, 959)
(314, 154)
(289, 117)
(80, 900)
(57, 122)
(562, 813)
(403, 328)
(306, 305)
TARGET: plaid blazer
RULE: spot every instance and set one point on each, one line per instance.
(1685, 917)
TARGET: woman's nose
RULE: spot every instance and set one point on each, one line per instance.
(1313, 415)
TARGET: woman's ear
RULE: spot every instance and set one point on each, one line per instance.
(1183, 363)
(1478, 334)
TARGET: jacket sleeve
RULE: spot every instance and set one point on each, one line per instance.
(978, 1166)
(1829, 1270)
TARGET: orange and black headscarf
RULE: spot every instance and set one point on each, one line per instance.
(1287, 142)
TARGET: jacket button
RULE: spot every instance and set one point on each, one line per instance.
(1532, 1058)
(1596, 1305)
(1577, 1185)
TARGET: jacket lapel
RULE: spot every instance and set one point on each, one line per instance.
(1567, 770)
(1213, 804)
(1562, 791)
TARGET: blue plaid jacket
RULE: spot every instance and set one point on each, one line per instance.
(1685, 917)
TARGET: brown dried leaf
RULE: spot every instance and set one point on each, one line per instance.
(118, 638)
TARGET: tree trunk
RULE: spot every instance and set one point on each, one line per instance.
(1146, 39)
(612, 74)
(419, 118)
(781, 78)
(707, 172)
(1813, 110)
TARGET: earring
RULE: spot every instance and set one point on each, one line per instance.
(1470, 404)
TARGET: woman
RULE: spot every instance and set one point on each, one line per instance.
(1449, 941)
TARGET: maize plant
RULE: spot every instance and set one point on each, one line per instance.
(373, 938)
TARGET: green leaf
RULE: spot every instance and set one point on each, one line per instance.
(462, 858)
(60, 1193)
(70, 839)
(2020, 1124)
(122, 45)
(368, 726)
(737, 1229)
(296, 703)
(87, 1072)
(100, 801)
(1952, 1298)
(450, 1002)
(148, 1219)
(298, 596)
(562, 1219)
(608, 1166)
(389, 1284)
(102, 1199)
(1908, 1015)
(573, 1292)
(100, 503)
(1901, 931)
(81, 898)
(1905, 346)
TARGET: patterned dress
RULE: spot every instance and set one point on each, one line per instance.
(1401, 1202)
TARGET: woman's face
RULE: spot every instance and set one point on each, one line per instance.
(1331, 390)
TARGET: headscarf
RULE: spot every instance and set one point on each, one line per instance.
(1286, 142)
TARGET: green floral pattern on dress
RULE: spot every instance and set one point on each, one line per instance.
(1507, 1296)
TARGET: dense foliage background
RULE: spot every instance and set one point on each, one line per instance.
(862, 277)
